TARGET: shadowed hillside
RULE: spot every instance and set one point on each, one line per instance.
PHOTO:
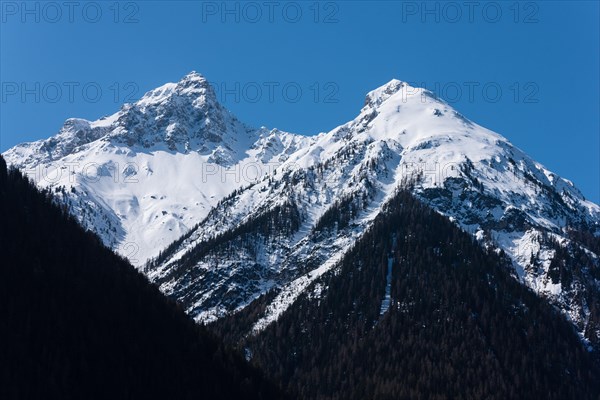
(79, 322)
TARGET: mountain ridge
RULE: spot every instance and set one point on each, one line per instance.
(142, 176)
(275, 232)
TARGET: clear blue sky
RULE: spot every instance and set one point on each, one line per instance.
(542, 56)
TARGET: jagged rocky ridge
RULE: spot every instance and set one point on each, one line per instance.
(145, 175)
(278, 232)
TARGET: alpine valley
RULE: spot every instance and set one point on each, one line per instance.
(408, 218)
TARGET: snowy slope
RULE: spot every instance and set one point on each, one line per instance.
(143, 176)
(177, 163)
(402, 137)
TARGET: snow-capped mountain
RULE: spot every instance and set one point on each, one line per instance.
(145, 175)
(280, 233)
(176, 153)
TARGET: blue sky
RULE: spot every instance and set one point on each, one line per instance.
(528, 70)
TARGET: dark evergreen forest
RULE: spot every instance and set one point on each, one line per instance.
(79, 322)
(459, 326)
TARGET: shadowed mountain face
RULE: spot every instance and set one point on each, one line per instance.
(417, 309)
(79, 322)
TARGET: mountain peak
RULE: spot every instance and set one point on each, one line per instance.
(193, 76)
(194, 79)
(192, 85)
(378, 96)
